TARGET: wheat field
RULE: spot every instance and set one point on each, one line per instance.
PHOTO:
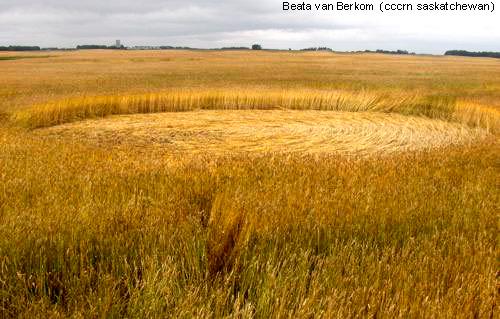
(241, 184)
(273, 131)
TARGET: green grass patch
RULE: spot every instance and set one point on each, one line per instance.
(20, 57)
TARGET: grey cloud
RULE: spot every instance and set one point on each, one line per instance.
(206, 23)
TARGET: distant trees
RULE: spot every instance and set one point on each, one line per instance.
(473, 54)
(168, 47)
(400, 52)
(20, 48)
(234, 48)
(317, 49)
(256, 47)
(403, 52)
(91, 47)
(98, 47)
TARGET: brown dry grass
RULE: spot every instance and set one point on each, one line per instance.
(89, 228)
(110, 73)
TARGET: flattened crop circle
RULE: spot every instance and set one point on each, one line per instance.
(233, 132)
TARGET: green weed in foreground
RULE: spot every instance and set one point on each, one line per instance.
(87, 233)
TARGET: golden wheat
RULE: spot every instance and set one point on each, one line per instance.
(65, 111)
(95, 222)
(70, 110)
(275, 131)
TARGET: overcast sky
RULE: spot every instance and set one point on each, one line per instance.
(218, 23)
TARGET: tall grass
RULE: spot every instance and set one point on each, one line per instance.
(478, 115)
(65, 111)
(88, 107)
(107, 235)
(92, 232)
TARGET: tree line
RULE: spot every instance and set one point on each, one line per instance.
(253, 47)
(20, 48)
(98, 47)
(473, 54)
(400, 52)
